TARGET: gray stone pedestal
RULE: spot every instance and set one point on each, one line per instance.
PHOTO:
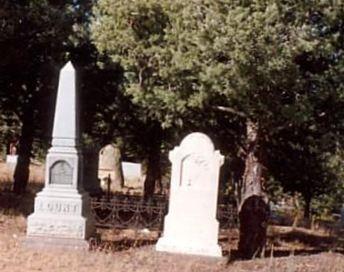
(60, 215)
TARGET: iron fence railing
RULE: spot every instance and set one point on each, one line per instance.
(133, 212)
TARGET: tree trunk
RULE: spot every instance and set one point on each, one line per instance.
(253, 210)
(118, 182)
(153, 173)
(238, 168)
(153, 141)
(91, 182)
(22, 170)
(307, 209)
(296, 204)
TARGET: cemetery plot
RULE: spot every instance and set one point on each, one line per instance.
(130, 212)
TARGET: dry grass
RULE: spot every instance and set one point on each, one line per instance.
(36, 178)
(15, 257)
(134, 251)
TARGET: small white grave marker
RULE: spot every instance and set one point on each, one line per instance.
(131, 170)
(191, 226)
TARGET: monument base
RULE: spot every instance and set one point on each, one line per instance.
(192, 236)
(44, 242)
(171, 246)
(62, 217)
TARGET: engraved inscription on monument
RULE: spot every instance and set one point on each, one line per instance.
(61, 173)
(56, 207)
(193, 167)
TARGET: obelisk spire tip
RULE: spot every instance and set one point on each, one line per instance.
(68, 67)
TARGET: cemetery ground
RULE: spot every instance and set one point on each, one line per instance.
(287, 249)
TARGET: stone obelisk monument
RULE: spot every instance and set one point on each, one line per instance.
(62, 215)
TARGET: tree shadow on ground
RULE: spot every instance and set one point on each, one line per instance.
(110, 246)
(297, 242)
(320, 242)
(13, 204)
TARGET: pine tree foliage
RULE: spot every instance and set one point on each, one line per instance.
(277, 63)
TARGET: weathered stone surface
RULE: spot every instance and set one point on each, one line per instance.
(66, 123)
(66, 228)
(62, 209)
(61, 173)
(131, 170)
(48, 243)
(191, 226)
(110, 167)
(55, 205)
(108, 158)
(64, 215)
(132, 173)
(11, 161)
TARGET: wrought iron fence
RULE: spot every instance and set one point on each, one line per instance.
(123, 211)
(227, 215)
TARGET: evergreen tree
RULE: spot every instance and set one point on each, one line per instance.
(269, 66)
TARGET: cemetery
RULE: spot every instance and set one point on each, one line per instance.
(171, 136)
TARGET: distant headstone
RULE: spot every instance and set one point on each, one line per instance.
(131, 169)
(12, 157)
(132, 173)
(191, 226)
(13, 146)
(62, 216)
(109, 167)
(107, 158)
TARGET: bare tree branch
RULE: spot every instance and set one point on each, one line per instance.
(230, 110)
